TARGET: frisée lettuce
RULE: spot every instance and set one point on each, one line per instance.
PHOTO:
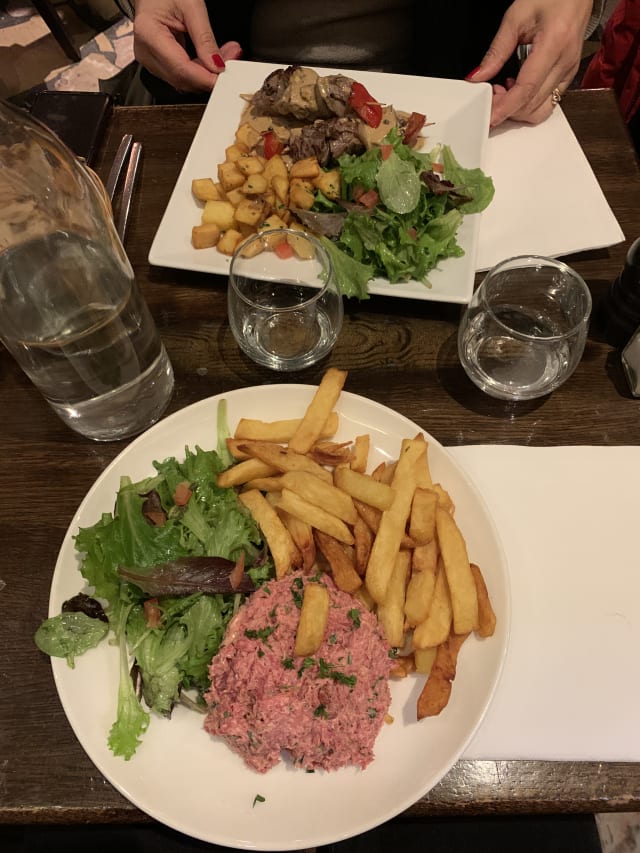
(170, 638)
(403, 212)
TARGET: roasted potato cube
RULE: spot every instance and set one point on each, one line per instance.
(302, 247)
(250, 211)
(220, 213)
(230, 176)
(301, 194)
(254, 248)
(235, 152)
(280, 186)
(247, 135)
(204, 189)
(255, 185)
(272, 222)
(329, 183)
(307, 168)
(275, 166)
(249, 165)
(235, 197)
(205, 236)
(229, 241)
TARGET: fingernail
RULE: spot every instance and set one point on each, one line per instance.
(472, 73)
(218, 61)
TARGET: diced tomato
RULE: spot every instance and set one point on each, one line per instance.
(369, 110)
(283, 250)
(385, 151)
(369, 199)
(437, 167)
(152, 613)
(182, 494)
(412, 233)
(415, 123)
(271, 144)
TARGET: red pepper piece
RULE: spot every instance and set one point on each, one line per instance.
(369, 110)
(415, 123)
(271, 144)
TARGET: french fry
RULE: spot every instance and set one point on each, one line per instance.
(422, 583)
(265, 484)
(241, 473)
(391, 611)
(462, 587)
(362, 487)
(280, 432)
(444, 498)
(315, 516)
(342, 569)
(486, 615)
(331, 453)
(437, 690)
(322, 494)
(360, 455)
(435, 629)
(302, 535)
(314, 615)
(403, 666)
(422, 523)
(363, 542)
(392, 524)
(322, 404)
(423, 659)
(283, 549)
(364, 596)
(423, 472)
(284, 459)
(371, 516)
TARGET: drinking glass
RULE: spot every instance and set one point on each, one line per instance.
(523, 333)
(285, 310)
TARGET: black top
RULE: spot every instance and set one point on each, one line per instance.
(444, 39)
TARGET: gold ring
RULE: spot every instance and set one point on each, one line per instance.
(556, 96)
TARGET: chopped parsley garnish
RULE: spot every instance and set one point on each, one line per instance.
(354, 615)
(306, 663)
(328, 670)
(372, 713)
(287, 663)
(258, 799)
(260, 633)
(332, 639)
(296, 587)
(321, 711)
(393, 654)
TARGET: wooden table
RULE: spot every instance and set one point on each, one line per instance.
(399, 353)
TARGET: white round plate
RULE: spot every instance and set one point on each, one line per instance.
(192, 782)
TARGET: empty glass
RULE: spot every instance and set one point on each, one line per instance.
(523, 333)
(285, 311)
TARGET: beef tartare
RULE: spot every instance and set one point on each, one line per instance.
(325, 710)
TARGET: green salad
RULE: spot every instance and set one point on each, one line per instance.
(157, 539)
(400, 213)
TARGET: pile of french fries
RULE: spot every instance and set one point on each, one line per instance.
(254, 194)
(388, 537)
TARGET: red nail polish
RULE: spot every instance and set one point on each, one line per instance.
(472, 73)
(218, 61)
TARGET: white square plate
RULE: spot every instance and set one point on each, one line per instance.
(460, 115)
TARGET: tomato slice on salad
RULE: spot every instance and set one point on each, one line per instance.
(365, 105)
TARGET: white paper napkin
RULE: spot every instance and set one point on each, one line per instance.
(547, 201)
(569, 519)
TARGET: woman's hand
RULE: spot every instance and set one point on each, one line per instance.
(555, 31)
(159, 31)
